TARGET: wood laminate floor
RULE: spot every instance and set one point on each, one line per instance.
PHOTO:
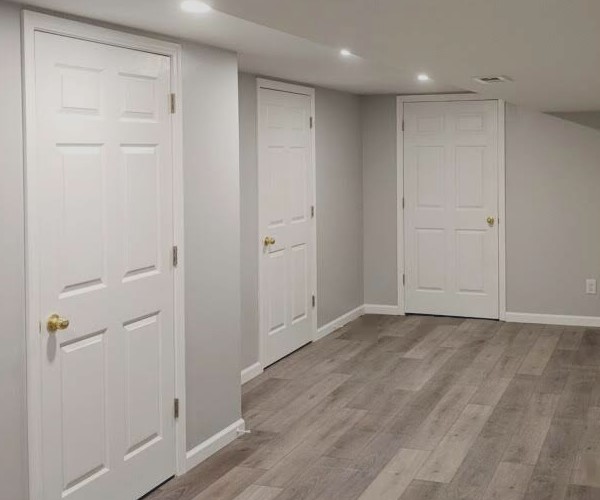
(417, 408)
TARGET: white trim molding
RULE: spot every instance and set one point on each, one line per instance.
(251, 372)
(338, 323)
(204, 450)
(384, 309)
(553, 319)
(400, 100)
(36, 22)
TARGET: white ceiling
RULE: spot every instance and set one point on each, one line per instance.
(550, 48)
(263, 51)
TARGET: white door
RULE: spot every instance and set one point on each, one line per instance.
(103, 185)
(285, 222)
(451, 208)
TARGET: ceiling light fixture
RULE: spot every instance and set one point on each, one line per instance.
(195, 7)
(423, 77)
(345, 53)
(486, 80)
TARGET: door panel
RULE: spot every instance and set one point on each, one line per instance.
(104, 182)
(141, 209)
(431, 266)
(451, 187)
(81, 249)
(276, 302)
(143, 417)
(285, 197)
(85, 441)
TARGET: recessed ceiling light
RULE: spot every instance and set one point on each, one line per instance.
(345, 53)
(423, 77)
(195, 7)
(486, 80)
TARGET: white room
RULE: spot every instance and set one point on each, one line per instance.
(261, 249)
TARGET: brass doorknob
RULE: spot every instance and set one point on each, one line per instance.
(491, 221)
(269, 241)
(55, 322)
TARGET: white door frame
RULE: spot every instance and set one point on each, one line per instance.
(262, 83)
(32, 22)
(400, 100)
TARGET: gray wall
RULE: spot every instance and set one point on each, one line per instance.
(380, 199)
(212, 240)
(249, 218)
(212, 271)
(586, 118)
(339, 208)
(340, 284)
(13, 421)
(552, 228)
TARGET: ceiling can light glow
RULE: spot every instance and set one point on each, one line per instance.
(423, 77)
(345, 53)
(195, 7)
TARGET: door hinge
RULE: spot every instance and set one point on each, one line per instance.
(312, 122)
(312, 212)
(176, 407)
(314, 301)
(173, 103)
(402, 125)
(403, 279)
(175, 256)
(403, 203)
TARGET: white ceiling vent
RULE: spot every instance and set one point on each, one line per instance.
(487, 80)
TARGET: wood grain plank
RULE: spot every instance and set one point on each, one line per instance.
(587, 464)
(230, 485)
(421, 490)
(527, 442)
(442, 417)
(554, 467)
(430, 342)
(477, 469)
(575, 492)
(509, 482)
(448, 456)
(255, 492)
(570, 338)
(539, 355)
(303, 403)
(396, 476)
(490, 391)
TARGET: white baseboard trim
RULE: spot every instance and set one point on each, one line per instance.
(337, 323)
(251, 372)
(553, 319)
(379, 309)
(213, 444)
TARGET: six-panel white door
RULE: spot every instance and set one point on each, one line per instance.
(285, 222)
(104, 201)
(451, 190)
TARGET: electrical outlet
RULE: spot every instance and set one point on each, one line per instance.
(590, 287)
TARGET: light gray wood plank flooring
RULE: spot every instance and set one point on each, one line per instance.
(417, 408)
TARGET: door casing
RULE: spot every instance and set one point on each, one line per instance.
(37, 22)
(262, 83)
(501, 190)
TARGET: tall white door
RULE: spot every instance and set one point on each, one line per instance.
(286, 222)
(103, 185)
(451, 208)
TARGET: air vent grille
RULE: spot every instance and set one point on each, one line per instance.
(487, 80)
